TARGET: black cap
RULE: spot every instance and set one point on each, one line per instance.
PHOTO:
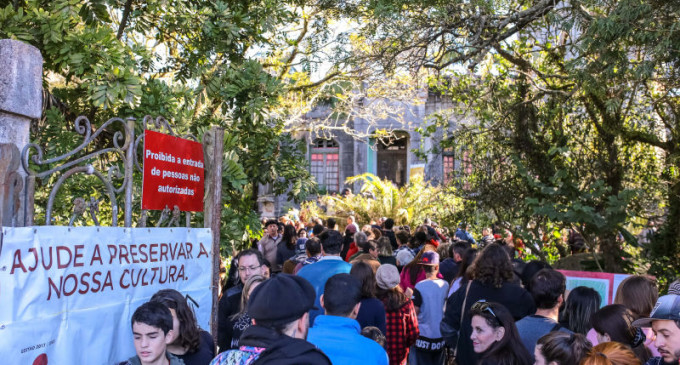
(281, 299)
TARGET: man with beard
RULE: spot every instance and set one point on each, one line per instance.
(665, 322)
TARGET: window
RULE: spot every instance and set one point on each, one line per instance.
(449, 161)
(453, 168)
(325, 164)
(466, 163)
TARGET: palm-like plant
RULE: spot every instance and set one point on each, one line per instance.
(408, 205)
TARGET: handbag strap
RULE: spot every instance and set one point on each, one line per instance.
(462, 314)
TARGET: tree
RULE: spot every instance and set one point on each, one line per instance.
(194, 62)
(579, 94)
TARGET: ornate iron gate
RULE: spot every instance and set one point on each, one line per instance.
(19, 173)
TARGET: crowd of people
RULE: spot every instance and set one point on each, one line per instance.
(380, 294)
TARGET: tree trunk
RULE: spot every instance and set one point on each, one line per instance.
(611, 252)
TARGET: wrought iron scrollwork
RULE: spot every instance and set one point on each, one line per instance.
(83, 127)
(90, 171)
(71, 163)
(124, 147)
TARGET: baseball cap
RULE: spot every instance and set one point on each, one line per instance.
(281, 299)
(429, 258)
(667, 308)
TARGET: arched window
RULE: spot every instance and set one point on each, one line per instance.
(325, 163)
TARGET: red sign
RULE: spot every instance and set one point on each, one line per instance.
(173, 173)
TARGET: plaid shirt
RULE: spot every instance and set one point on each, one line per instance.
(402, 332)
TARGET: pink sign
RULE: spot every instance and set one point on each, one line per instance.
(603, 282)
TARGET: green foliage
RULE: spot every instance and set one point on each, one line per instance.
(567, 110)
(407, 205)
(197, 63)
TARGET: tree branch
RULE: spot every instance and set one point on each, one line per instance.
(317, 83)
(296, 44)
(123, 21)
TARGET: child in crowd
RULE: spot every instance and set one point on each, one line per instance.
(189, 343)
(429, 297)
(152, 329)
(375, 334)
(400, 315)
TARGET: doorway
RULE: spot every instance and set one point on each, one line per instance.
(392, 158)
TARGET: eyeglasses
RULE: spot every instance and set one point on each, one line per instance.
(248, 268)
(484, 306)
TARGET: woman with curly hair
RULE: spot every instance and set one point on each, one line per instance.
(189, 343)
(492, 276)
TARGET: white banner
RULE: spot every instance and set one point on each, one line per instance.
(67, 294)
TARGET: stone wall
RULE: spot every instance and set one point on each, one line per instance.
(20, 102)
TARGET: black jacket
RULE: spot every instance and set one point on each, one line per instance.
(517, 300)
(227, 306)
(393, 238)
(204, 353)
(282, 349)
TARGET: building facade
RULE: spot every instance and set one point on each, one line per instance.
(335, 158)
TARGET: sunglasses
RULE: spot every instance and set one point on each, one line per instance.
(484, 306)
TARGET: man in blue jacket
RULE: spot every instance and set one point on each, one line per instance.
(337, 333)
(462, 234)
(330, 264)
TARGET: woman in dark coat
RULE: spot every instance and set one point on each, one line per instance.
(372, 310)
(491, 281)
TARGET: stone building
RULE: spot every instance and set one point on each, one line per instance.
(332, 160)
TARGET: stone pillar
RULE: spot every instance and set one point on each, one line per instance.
(266, 201)
(20, 102)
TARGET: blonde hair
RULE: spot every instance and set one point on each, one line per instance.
(255, 279)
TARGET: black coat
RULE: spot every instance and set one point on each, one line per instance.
(282, 349)
(393, 238)
(204, 354)
(517, 300)
(227, 306)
